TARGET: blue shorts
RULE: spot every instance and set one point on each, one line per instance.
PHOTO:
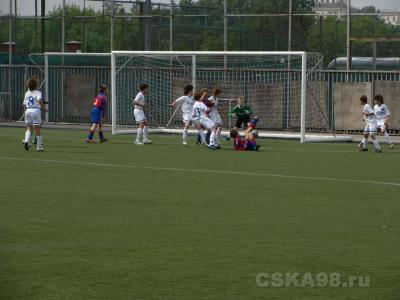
(251, 146)
(96, 115)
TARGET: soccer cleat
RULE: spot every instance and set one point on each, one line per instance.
(391, 146)
(138, 143)
(40, 150)
(378, 151)
(26, 146)
(218, 147)
(90, 141)
(184, 143)
(212, 147)
(147, 141)
(103, 141)
(363, 150)
(258, 147)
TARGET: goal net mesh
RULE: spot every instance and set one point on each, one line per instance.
(270, 84)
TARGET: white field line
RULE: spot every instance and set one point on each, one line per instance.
(264, 146)
(218, 172)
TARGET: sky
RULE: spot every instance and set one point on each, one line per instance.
(27, 7)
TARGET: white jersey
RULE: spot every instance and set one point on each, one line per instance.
(214, 114)
(381, 112)
(214, 100)
(187, 104)
(140, 100)
(369, 114)
(199, 110)
(32, 99)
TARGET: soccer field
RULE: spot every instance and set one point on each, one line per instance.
(165, 221)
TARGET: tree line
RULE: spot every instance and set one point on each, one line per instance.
(326, 34)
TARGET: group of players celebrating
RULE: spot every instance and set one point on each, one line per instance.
(198, 109)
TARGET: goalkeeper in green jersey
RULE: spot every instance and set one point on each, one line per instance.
(242, 112)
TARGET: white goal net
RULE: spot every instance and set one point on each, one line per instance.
(286, 90)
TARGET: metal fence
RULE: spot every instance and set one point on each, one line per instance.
(61, 90)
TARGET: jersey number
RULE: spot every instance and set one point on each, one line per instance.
(198, 112)
(31, 101)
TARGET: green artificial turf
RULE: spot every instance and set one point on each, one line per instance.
(165, 221)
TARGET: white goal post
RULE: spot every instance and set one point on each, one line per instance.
(286, 89)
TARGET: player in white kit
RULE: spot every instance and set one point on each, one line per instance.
(140, 104)
(186, 102)
(370, 126)
(382, 114)
(215, 116)
(33, 104)
(200, 120)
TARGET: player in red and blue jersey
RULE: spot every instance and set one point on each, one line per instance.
(249, 143)
(98, 114)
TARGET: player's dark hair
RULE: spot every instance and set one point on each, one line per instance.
(217, 92)
(103, 88)
(143, 86)
(197, 96)
(364, 99)
(32, 84)
(187, 89)
(233, 133)
(379, 98)
(204, 90)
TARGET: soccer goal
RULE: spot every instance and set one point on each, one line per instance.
(287, 90)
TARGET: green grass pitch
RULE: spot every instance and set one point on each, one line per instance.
(164, 221)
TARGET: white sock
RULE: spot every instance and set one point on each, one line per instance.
(387, 138)
(365, 143)
(218, 136)
(145, 133)
(212, 138)
(39, 140)
(28, 134)
(203, 139)
(139, 134)
(376, 144)
(185, 135)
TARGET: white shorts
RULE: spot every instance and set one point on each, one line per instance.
(187, 118)
(139, 115)
(381, 124)
(33, 116)
(370, 128)
(206, 122)
(216, 118)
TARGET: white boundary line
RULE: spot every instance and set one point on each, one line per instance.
(218, 172)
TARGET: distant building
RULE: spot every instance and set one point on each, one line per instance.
(330, 7)
(392, 20)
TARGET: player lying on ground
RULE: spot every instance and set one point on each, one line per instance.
(33, 104)
(370, 126)
(249, 143)
(186, 102)
(140, 105)
(382, 114)
(201, 119)
(98, 114)
(213, 102)
(242, 112)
